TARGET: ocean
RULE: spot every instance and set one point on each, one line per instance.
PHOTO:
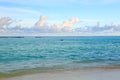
(19, 54)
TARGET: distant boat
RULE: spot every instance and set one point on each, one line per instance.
(61, 39)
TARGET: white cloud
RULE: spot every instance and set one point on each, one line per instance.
(4, 21)
(41, 22)
(42, 26)
(100, 29)
(66, 26)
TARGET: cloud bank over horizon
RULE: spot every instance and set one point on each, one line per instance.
(9, 26)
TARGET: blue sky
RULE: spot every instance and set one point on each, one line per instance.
(24, 13)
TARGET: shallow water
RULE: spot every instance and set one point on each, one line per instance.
(58, 53)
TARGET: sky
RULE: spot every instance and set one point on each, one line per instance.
(60, 17)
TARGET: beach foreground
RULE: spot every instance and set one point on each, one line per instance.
(87, 74)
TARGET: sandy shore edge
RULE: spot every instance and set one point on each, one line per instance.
(84, 74)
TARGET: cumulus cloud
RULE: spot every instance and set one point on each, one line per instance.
(41, 22)
(99, 29)
(40, 26)
(4, 21)
(43, 26)
(66, 26)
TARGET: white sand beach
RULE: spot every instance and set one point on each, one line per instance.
(87, 74)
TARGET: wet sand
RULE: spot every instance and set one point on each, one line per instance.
(85, 74)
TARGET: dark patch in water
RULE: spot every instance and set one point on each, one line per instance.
(38, 37)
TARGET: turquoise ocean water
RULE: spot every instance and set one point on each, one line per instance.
(27, 53)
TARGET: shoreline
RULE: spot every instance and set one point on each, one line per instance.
(55, 69)
(80, 74)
